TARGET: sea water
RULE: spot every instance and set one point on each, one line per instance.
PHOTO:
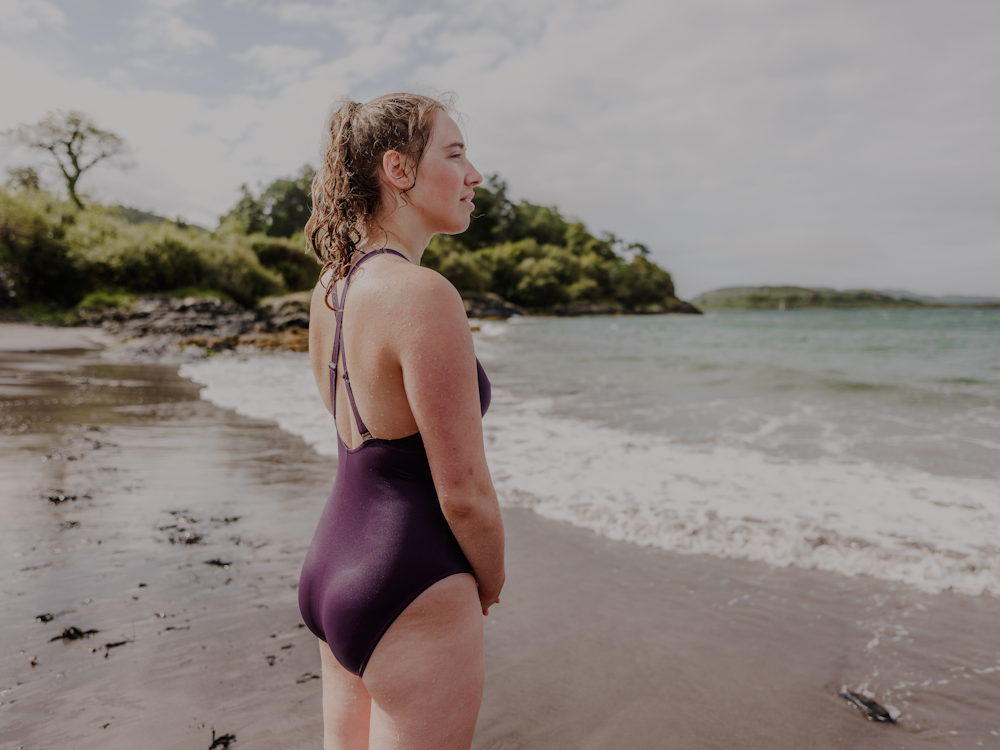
(860, 442)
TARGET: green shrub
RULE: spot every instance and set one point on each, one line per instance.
(539, 284)
(644, 283)
(466, 271)
(35, 265)
(104, 299)
(297, 266)
(231, 266)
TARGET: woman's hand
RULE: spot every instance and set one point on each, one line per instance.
(486, 607)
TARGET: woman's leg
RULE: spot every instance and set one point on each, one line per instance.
(347, 706)
(426, 675)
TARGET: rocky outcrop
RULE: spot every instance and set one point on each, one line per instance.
(669, 307)
(283, 322)
(191, 316)
(488, 306)
(276, 322)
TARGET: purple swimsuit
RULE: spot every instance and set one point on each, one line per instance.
(382, 539)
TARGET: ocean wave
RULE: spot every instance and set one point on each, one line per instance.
(845, 516)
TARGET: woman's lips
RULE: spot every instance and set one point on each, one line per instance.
(468, 202)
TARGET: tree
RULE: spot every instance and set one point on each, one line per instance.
(23, 178)
(75, 142)
(492, 216)
(287, 204)
(282, 210)
(247, 216)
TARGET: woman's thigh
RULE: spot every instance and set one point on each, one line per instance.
(426, 675)
(346, 706)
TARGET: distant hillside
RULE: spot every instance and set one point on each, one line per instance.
(948, 299)
(138, 216)
(801, 298)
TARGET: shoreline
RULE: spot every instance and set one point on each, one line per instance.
(597, 643)
(36, 337)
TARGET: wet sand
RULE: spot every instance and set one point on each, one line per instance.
(26, 337)
(176, 530)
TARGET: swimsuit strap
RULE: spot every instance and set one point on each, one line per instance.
(339, 350)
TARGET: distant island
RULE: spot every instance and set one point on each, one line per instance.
(804, 298)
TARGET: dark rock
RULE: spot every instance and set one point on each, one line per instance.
(573, 309)
(872, 710)
(175, 317)
(670, 307)
(276, 322)
(282, 313)
(489, 306)
(224, 741)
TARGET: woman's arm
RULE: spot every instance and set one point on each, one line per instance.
(439, 374)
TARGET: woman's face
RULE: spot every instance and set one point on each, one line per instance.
(445, 180)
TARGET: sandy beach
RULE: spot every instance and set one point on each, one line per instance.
(175, 530)
(26, 337)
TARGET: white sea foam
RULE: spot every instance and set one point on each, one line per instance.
(275, 386)
(845, 516)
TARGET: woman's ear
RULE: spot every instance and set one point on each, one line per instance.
(396, 170)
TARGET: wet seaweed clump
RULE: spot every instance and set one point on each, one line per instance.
(108, 646)
(178, 532)
(872, 710)
(185, 537)
(218, 563)
(74, 634)
(58, 497)
(47, 617)
(224, 741)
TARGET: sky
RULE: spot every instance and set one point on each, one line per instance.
(848, 144)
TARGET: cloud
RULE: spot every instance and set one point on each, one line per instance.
(278, 58)
(30, 15)
(160, 26)
(834, 144)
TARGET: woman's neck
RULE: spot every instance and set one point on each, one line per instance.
(401, 229)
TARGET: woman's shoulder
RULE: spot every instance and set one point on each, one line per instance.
(423, 291)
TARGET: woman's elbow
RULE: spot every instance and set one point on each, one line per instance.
(468, 502)
(459, 506)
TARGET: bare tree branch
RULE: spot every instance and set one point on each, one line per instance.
(75, 142)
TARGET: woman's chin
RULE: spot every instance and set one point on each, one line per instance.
(457, 227)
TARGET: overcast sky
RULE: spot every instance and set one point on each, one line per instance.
(843, 144)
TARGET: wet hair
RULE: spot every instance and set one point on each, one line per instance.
(347, 192)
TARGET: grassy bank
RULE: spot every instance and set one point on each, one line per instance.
(56, 258)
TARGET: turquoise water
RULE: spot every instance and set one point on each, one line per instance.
(909, 388)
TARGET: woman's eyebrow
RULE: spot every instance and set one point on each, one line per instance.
(456, 144)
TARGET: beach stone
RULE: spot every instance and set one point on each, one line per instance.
(489, 306)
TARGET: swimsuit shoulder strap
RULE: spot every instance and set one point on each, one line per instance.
(339, 350)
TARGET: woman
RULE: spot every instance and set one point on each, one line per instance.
(408, 555)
